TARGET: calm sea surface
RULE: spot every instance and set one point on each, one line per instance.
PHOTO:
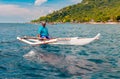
(97, 60)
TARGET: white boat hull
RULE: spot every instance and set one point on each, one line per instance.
(64, 41)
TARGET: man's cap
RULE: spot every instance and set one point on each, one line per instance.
(43, 22)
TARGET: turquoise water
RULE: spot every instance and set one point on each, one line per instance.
(97, 60)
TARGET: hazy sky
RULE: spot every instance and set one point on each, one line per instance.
(27, 10)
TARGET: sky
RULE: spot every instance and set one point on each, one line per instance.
(21, 11)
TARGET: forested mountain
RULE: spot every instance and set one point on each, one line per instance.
(86, 11)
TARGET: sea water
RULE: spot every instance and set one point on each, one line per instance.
(97, 60)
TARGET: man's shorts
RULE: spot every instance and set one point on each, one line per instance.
(45, 37)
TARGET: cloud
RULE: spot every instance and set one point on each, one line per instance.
(76, 1)
(8, 10)
(14, 12)
(39, 2)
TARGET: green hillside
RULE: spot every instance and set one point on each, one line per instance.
(86, 11)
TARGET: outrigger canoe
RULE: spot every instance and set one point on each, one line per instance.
(64, 41)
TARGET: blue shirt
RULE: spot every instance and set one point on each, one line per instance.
(43, 31)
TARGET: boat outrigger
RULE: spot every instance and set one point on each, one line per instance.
(64, 41)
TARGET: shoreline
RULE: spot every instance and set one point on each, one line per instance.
(103, 23)
(54, 23)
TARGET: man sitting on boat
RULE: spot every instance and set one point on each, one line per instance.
(43, 32)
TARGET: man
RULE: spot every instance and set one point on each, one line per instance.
(43, 31)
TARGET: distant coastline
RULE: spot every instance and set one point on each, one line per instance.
(102, 22)
(86, 12)
(54, 23)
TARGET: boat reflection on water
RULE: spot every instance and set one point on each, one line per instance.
(70, 65)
